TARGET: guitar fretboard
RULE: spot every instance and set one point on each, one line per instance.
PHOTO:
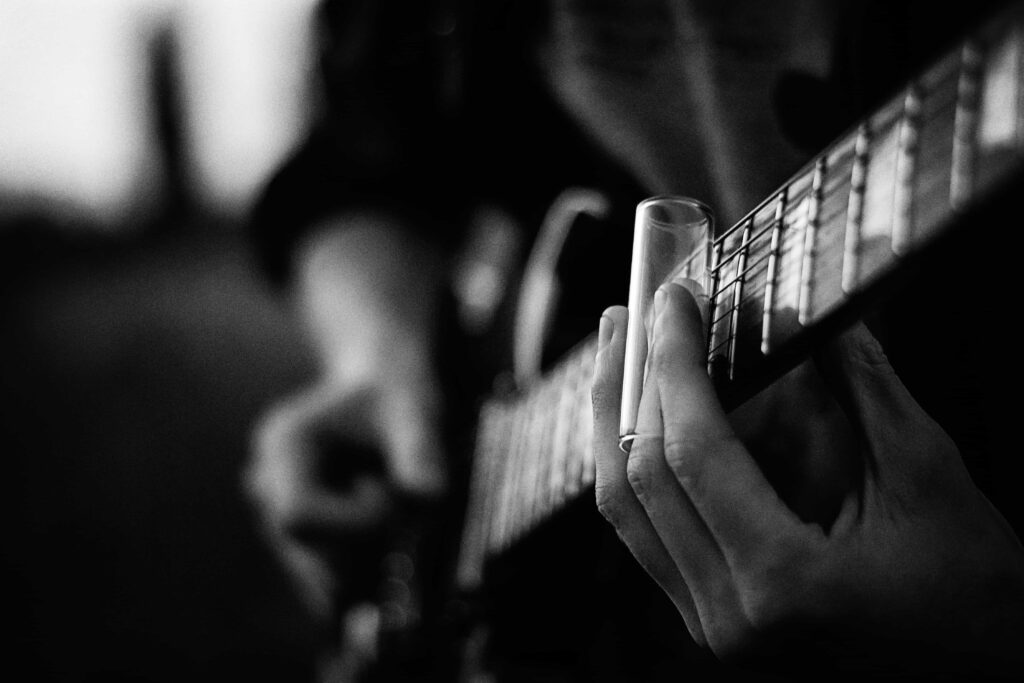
(883, 192)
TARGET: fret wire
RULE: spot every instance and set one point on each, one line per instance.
(752, 294)
(791, 242)
(756, 293)
(822, 222)
(525, 469)
(534, 497)
(516, 465)
(511, 479)
(754, 239)
(810, 230)
(584, 380)
(512, 419)
(844, 146)
(750, 328)
(785, 286)
(472, 543)
(554, 451)
(491, 480)
(716, 256)
(496, 472)
(938, 101)
(965, 125)
(791, 208)
(855, 210)
(741, 264)
(573, 476)
(542, 451)
(794, 200)
(948, 70)
(751, 267)
(832, 217)
(823, 187)
(906, 170)
(501, 468)
(769, 290)
(586, 427)
(723, 316)
(560, 436)
(746, 300)
(749, 296)
(714, 351)
(762, 232)
(850, 141)
(753, 326)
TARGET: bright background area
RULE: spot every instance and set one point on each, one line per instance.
(78, 121)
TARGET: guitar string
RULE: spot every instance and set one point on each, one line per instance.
(790, 236)
(845, 144)
(535, 506)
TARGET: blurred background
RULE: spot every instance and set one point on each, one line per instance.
(138, 340)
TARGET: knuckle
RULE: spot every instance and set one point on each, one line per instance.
(686, 458)
(640, 473)
(610, 504)
(642, 470)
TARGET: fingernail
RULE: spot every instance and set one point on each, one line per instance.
(604, 332)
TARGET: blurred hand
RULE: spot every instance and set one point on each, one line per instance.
(917, 572)
(327, 468)
(330, 465)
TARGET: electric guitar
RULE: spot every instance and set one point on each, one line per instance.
(898, 193)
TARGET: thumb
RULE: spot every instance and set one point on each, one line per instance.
(413, 448)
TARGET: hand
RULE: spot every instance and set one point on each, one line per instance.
(327, 467)
(327, 463)
(917, 573)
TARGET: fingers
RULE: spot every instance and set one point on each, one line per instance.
(724, 484)
(678, 526)
(615, 497)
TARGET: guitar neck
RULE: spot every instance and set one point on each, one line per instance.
(806, 257)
